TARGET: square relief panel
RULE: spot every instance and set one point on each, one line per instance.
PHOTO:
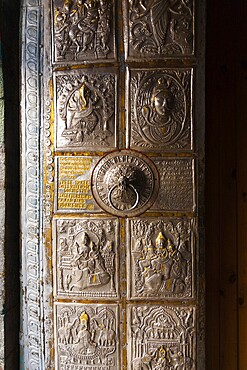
(73, 184)
(161, 337)
(177, 187)
(159, 29)
(160, 109)
(161, 258)
(86, 337)
(85, 110)
(83, 31)
(85, 254)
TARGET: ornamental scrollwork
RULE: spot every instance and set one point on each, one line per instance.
(160, 28)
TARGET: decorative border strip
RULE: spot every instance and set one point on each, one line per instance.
(31, 333)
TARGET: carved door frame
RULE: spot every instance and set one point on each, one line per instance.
(42, 212)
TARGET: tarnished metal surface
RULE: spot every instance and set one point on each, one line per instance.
(111, 199)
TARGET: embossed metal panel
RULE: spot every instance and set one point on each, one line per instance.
(112, 144)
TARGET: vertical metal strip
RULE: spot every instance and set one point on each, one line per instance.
(31, 331)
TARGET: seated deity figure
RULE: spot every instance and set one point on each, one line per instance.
(84, 342)
(81, 116)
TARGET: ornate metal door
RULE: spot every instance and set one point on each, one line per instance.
(112, 150)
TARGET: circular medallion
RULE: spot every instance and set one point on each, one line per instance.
(125, 183)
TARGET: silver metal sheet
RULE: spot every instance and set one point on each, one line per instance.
(161, 254)
(83, 31)
(159, 107)
(87, 337)
(159, 29)
(161, 337)
(85, 261)
(177, 184)
(85, 110)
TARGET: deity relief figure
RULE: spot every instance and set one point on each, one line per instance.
(87, 336)
(82, 30)
(157, 27)
(160, 104)
(85, 110)
(86, 261)
(161, 269)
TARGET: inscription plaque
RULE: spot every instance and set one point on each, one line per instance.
(85, 262)
(72, 180)
(86, 337)
(125, 183)
(160, 258)
(161, 337)
(176, 191)
(85, 110)
(160, 109)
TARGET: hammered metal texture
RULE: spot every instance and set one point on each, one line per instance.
(86, 336)
(159, 29)
(83, 31)
(85, 116)
(160, 111)
(161, 258)
(177, 185)
(86, 258)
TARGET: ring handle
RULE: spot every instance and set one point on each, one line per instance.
(135, 191)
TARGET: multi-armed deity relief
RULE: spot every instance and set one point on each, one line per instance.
(161, 261)
(85, 110)
(86, 262)
(160, 109)
(161, 338)
(160, 28)
(87, 337)
(83, 30)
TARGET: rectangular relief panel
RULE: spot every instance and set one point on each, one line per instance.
(159, 106)
(161, 337)
(85, 110)
(83, 31)
(159, 29)
(85, 252)
(86, 336)
(161, 254)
